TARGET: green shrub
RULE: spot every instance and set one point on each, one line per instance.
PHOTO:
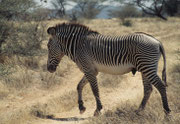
(127, 23)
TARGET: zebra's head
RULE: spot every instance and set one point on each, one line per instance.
(55, 53)
(62, 35)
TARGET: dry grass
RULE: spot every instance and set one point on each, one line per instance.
(176, 68)
(31, 92)
(110, 81)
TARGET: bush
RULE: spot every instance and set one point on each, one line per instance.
(127, 23)
(4, 31)
(5, 70)
(21, 34)
(125, 12)
(15, 9)
(25, 40)
(176, 69)
(30, 62)
(19, 38)
(88, 9)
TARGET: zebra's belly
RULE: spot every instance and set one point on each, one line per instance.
(116, 69)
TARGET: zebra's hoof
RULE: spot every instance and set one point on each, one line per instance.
(83, 109)
(167, 112)
(138, 112)
(97, 113)
(168, 117)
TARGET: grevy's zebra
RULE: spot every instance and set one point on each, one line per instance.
(94, 52)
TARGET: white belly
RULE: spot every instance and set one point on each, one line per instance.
(116, 70)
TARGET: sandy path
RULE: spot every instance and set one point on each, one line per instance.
(110, 97)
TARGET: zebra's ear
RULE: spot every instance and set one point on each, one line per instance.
(51, 30)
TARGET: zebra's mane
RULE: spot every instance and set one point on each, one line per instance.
(73, 26)
(145, 34)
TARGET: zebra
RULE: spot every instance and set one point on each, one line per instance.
(93, 53)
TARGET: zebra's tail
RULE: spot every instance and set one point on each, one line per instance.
(164, 67)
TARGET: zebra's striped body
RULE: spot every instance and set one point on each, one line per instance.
(119, 55)
(93, 53)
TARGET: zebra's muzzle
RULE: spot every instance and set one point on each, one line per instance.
(51, 68)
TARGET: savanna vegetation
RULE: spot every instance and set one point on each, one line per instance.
(28, 91)
(30, 94)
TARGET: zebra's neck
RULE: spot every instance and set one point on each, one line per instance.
(70, 45)
(73, 41)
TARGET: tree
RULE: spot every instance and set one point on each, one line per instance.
(59, 5)
(126, 11)
(152, 7)
(15, 9)
(171, 7)
(45, 1)
(88, 8)
(155, 7)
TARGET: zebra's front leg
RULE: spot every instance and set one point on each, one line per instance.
(94, 86)
(80, 86)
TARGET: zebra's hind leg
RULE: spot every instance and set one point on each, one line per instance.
(80, 86)
(162, 90)
(147, 92)
(94, 86)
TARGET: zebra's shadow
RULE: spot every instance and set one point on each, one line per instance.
(51, 117)
(68, 119)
